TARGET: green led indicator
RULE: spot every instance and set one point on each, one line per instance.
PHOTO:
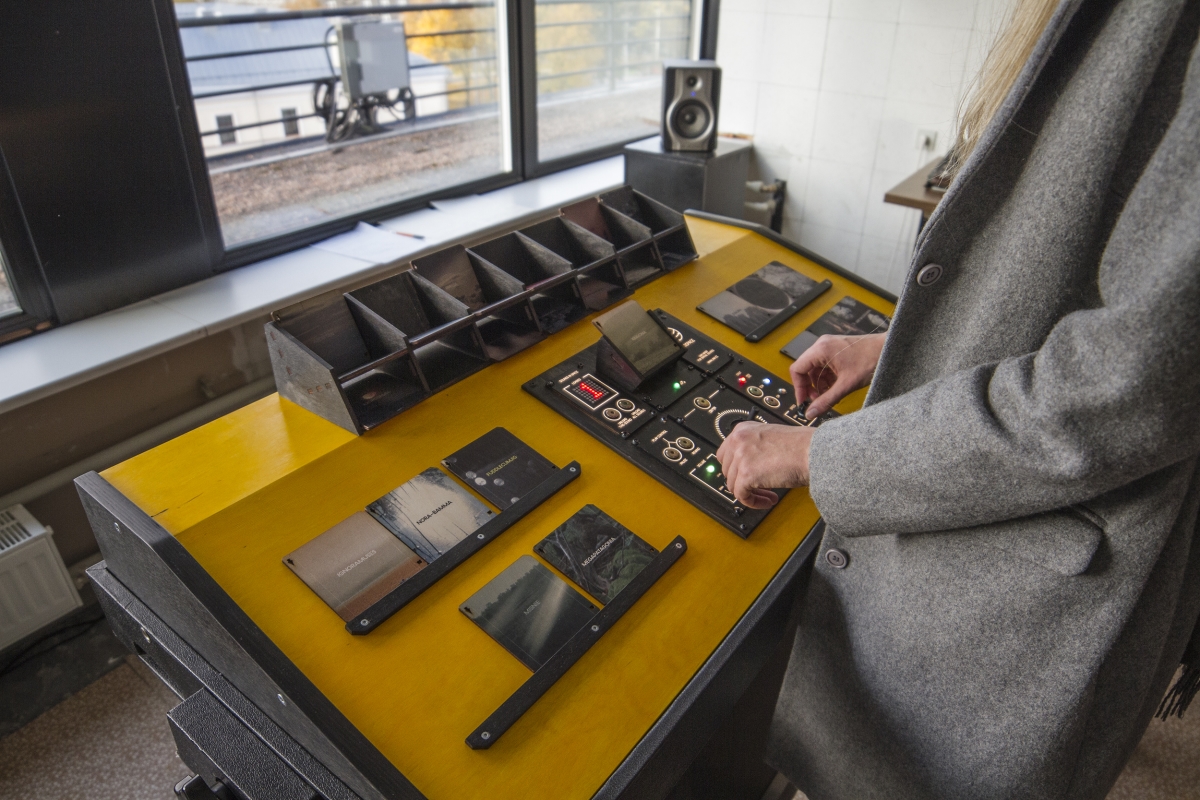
(677, 386)
(711, 468)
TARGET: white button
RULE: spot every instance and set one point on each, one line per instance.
(929, 274)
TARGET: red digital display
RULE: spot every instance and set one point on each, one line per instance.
(590, 391)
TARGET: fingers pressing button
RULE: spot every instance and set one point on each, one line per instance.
(929, 274)
(837, 558)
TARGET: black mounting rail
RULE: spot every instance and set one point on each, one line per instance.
(437, 569)
(540, 682)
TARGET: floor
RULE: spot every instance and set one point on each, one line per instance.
(109, 740)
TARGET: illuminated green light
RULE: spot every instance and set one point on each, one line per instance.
(711, 468)
(676, 385)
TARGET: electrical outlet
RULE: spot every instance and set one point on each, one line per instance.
(927, 140)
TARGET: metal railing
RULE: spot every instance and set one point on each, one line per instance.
(612, 65)
(319, 13)
(333, 75)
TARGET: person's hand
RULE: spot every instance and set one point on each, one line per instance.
(756, 458)
(834, 367)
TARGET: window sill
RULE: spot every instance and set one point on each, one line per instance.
(58, 359)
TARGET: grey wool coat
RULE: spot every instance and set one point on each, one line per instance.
(1018, 498)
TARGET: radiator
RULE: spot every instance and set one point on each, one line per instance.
(35, 588)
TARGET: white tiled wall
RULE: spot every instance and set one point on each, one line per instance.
(834, 93)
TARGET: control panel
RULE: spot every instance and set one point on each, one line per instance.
(673, 424)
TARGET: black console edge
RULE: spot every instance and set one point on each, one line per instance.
(147, 559)
(666, 751)
(186, 672)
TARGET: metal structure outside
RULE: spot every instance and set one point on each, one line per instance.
(615, 58)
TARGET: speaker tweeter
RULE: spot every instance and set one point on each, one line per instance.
(691, 92)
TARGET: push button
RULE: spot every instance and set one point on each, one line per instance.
(837, 558)
(929, 274)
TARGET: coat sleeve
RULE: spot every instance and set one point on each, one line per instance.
(1112, 395)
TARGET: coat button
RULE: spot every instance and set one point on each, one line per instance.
(929, 274)
(837, 558)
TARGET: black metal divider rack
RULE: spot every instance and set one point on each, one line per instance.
(360, 358)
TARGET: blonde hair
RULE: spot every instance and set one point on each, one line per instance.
(1000, 69)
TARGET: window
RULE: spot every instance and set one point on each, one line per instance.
(381, 104)
(599, 69)
(226, 130)
(306, 117)
(291, 125)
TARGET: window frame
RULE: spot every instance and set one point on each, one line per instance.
(705, 28)
(30, 285)
(19, 255)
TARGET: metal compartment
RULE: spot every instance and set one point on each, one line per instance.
(598, 274)
(554, 293)
(667, 225)
(352, 368)
(633, 241)
(440, 328)
(503, 312)
(358, 359)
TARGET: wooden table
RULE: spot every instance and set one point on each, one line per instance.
(911, 192)
(193, 533)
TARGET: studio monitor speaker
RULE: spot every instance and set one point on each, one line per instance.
(691, 91)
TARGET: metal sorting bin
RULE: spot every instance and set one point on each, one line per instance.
(360, 358)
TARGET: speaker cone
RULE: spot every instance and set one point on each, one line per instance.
(691, 119)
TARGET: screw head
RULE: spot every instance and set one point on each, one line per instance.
(364, 622)
(574, 469)
(595, 628)
(485, 735)
(679, 545)
(480, 536)
(742, 526)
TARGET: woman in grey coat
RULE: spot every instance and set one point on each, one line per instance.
(1010, 572)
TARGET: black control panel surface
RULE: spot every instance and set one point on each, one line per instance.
(673, 424)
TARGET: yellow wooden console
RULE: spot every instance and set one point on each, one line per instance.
(243, 491)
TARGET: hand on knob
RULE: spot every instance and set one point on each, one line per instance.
(834, 367)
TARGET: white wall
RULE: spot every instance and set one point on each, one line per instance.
(834, 93)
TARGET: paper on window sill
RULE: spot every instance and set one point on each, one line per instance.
(369, 243)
